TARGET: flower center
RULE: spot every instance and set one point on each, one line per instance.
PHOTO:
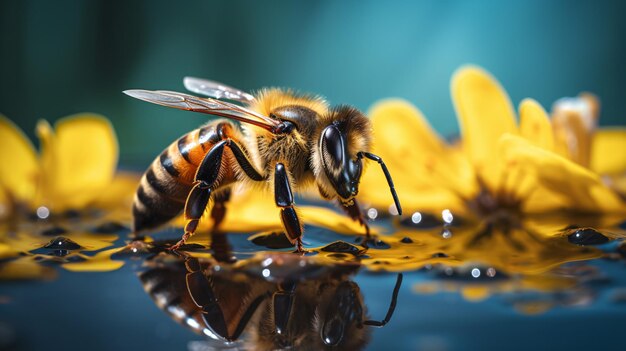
(501, 208)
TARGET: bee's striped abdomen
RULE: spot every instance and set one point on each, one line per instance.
(165, 185)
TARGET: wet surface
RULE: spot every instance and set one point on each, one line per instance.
(81, 283)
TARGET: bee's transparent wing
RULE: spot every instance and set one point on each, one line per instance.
(216, 90)
(204, 105)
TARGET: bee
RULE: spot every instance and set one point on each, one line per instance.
(287, 142)
(309, 306)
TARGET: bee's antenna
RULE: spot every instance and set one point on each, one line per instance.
(373, 157)
(392, 305)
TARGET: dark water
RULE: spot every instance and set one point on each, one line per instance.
(550, 283)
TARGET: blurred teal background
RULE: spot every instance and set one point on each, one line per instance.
(63, 57)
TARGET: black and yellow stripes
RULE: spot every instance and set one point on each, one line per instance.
(160, 196)
(166, 184)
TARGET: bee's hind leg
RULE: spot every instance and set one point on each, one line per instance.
(198, 198)
(197, 202)
(284, 199)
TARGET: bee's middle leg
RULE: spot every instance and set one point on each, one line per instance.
(284, 199)
(218, 211)
(222, 250)
(206, 180)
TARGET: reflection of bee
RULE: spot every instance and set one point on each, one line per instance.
(289, 141)
(314, 308)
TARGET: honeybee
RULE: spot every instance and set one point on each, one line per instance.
(287, 142)
(301, 306)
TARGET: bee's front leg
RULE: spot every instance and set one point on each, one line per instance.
(353, 210)
(284, 199)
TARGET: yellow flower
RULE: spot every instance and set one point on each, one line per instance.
(498, 165)
(74, 170)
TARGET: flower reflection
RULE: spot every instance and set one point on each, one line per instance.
(264, 303)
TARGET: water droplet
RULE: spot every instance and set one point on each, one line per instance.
(266, 262)
(416, 217)
(587, 236)
(266, 272)
(62, 243)
(447, 216)
(271, 240)
(60, 253)
(446, 233)
(406, 240)
(372, 213)
(491, 272)
(54, 231)
(373, 243)
(475, 272)
(43, 212)
(440, 255)
(341, 247)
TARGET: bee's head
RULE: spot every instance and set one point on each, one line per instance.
(336, 161)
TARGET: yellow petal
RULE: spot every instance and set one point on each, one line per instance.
(403, 131)
(579, 188)
(100, 262)
(26, 268)
(78, 161)
(484, 112)
(418, 159)
(6, 251)
(574, 121)
(607, 151)
(475, 293)
(535, 124)
(5, 205)
(252, 210)
(118, 197)
(617, 183)
(19, 167)
(248, 210)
